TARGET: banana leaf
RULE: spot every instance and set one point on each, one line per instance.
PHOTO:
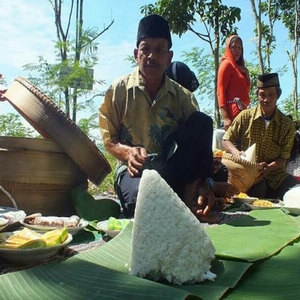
(276, 278)
(103, 273)
(256, 236)
(92, 210)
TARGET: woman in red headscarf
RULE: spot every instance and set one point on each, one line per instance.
(233, 81)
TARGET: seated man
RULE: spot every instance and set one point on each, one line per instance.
(181, 73)
(272, 131)
(150, 121)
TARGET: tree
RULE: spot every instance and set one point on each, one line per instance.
(265, 38)
(291, 20)
(70, 78)
(217, 22)
(11, 125)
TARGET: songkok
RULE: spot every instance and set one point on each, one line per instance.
(268, 80)
(153, 26)
(182, 74)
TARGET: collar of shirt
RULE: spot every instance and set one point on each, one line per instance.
(257, 114)
(136, 80)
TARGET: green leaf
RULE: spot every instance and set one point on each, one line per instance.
(256, 236)
(103, 273)
(90, 209)
(274, 278)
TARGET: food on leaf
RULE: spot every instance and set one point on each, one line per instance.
(264, 203)
(241, 195)
(24, 239)
(28, 239)
(56, 236)
(117, 224)
(38, 219)
(168, 241)
(217, 153)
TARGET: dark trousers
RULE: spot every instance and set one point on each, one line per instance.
(263, 190)
(192, 159)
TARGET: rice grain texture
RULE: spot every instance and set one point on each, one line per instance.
(168, 241)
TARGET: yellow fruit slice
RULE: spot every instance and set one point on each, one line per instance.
(56, 236)
(24, 239)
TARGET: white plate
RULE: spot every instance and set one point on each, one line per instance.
(103, 226)
(12, 214)
(278, 204)
(244, 200)
(26, 256)
(73, 230)
(293, 210)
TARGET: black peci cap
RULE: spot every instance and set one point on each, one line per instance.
(153, 26)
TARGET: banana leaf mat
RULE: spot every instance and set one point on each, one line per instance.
(87, 239)
(103, 273)
(276, 278)
(255, 236)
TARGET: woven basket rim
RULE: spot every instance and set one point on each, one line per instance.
(241, 161)
(44, 128)
(9, 185)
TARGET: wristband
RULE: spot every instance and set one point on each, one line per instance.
(210, 182)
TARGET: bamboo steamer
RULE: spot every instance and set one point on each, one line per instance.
(39, 175)
(52, 123)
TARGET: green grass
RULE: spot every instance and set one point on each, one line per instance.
(107, 184)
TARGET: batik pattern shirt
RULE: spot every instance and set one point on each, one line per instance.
(129, 116)
(272, 141)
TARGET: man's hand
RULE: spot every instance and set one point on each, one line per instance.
(262, 172)
(224, 189)
(227, 123)
(136, 160)
(201, 200)
(2, 92)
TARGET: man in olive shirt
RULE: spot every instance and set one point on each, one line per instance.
(272, 132)
(149, 121)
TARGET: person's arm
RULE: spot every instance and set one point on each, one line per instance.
(281, 161)
(229, 147)
(110, 115)
(2, 92)
(267, 168)
(225, 116)
(135, 157)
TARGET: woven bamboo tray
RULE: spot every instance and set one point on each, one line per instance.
(39, 175)
(51, 122)
(47, 202)
(38, 162)
(241, 173)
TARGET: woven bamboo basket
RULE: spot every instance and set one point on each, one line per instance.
(51, 122)
(39, 175)
(241, 173)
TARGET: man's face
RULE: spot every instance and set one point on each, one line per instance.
(153, 57)
(267, 99)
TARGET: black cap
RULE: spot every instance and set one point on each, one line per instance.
(268, 80)
(153, 26)
(182, 74)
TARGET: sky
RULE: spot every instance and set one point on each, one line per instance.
(28, 31)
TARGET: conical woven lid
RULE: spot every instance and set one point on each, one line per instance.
(241, 173)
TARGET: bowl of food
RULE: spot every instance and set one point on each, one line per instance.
(243, 198)
(46, 223)
(265, 204)
(27, 246)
